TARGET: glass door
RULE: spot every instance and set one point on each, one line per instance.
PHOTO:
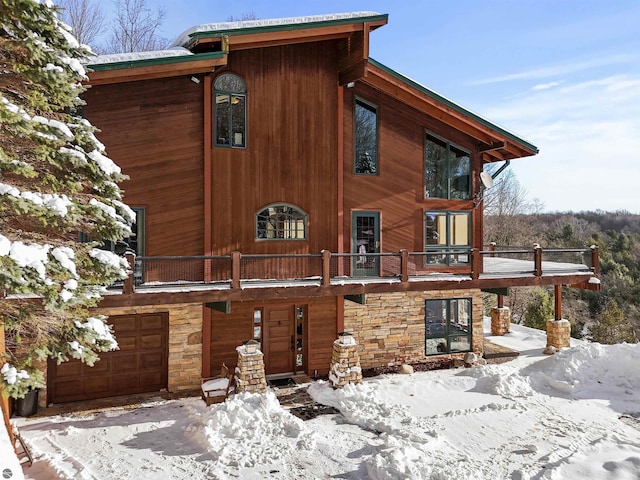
(366, 240)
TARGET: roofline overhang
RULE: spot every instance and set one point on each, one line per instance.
(273, 35)
(494, 142)
(151, 68)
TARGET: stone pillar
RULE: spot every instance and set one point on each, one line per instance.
(558, 335)
(345, 362)
(500, 320)
(250, 375)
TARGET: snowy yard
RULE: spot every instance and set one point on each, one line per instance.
(568, 416)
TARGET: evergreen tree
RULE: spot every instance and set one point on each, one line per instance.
(55, 181)
(539, 310)
(612, 326)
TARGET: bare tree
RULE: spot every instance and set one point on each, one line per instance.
(242, 18)
(136, 28)
(505, 208)
(86, 19)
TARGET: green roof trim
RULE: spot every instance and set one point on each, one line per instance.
(151, 62)
(286, 27)
(453, 105)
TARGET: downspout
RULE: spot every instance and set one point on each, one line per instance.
(506, 164)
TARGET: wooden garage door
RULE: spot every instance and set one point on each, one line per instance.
(140, 365)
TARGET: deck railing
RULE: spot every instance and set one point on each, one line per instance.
(237, 269)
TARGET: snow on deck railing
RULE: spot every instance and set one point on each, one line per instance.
(322, 268)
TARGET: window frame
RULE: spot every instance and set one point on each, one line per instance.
(449, 178)
(216, 110)
(450, 250)
(304, 217)
(447, 331)
(376, 161)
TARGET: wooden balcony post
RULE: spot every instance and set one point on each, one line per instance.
(404, 265)
(235, 269)
(558, 301)
(500, 301)
(595, 260)
(476, 263)
(492, 248)
(537, 259)
(129, 286)
(326, 268)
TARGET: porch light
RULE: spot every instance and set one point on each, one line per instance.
(251, 346)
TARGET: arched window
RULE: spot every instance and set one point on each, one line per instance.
(281, 222)
(230, 93)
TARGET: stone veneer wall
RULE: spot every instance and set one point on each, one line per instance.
(185, 341)
(390, 328)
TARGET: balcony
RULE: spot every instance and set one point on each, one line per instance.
(247, 276)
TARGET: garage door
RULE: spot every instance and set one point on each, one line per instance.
(140, 365)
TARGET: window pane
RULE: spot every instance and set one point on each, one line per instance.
(230, 83)
(238, 119)
(223, 119)
(366, 139)
(460, 343)
(460, 170)
(435, 168)
(435, 229)
(435, 317)
(435, 346)
(459, 229)
(281, 222)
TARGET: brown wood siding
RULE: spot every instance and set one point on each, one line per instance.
(154, 131)
(231, 330)
(291, 153)
(398, 191)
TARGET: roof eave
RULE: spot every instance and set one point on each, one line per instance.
(149, 68)
(500, 144)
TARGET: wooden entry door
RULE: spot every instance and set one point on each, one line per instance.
(366, 239)
(278, 342)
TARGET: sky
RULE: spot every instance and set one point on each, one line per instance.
(563, 75)
(571, 415)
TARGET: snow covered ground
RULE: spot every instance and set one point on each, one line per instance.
(568, 416)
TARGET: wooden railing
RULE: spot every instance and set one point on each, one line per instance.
(236, 269)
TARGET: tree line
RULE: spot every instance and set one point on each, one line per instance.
(609, 316)
(134, 27)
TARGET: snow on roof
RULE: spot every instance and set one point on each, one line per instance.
(183, 38)
(134, 56)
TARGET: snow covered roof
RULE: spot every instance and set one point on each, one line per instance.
(238, 28)
(135, 56)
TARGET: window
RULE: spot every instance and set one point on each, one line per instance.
(447, 326)
(447, 237)
(447, 170)
(365, 139)
(230, 93)
(133, 243)
(281, 222)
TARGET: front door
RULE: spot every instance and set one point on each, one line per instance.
(278, 344)
(366, 240)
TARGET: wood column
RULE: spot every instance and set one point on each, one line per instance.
(558, 301)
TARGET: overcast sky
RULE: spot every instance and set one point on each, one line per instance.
(562, 74)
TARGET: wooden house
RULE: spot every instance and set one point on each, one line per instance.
(288, 187)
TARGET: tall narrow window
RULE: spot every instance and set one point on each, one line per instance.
(447, 237)
(366, 139)
(230, 94)
(447, 170)
(447, 326)
(281, 222)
